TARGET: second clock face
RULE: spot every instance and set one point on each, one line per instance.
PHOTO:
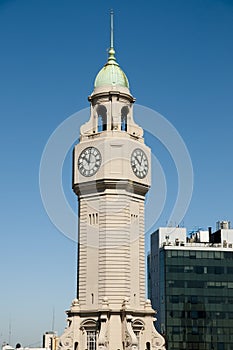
(89, 161)
(139, 163)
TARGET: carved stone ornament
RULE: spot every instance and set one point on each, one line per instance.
(66, 341)
(131, 342)
(103, 338)
(158, 342)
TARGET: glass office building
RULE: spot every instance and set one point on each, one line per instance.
(191, 287)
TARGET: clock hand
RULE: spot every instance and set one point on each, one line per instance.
(140, 163)
(89, 157)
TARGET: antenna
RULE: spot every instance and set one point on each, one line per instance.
(53, 319)
(111, 27)
(10, 331)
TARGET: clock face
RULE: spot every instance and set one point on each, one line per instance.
(89, 161)
(139, 163)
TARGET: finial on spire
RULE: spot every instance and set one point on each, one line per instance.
(111, 19)
(111, 51)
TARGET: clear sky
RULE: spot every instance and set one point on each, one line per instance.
(178, 57)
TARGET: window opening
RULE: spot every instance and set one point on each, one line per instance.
(102, 118)
(138, 326)
(91, 332)
(124, 118)
(93, 219)
(134, 217)
(91, 340)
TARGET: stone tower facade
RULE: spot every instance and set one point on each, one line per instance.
(111, 176)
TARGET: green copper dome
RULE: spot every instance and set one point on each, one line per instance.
(111, 73)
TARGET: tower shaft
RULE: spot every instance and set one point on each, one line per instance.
(111, 250)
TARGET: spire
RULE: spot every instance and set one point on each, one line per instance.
(111, 73)
(111, 51)
(112, 33)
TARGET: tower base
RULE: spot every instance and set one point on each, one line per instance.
(108, 329)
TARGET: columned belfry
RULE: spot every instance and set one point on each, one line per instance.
(111, 176)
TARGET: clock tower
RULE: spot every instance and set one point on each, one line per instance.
(111, 176)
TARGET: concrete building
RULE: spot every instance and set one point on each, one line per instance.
(111, 176)
(191, 287)
(49, 340)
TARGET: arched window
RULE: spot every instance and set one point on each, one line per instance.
(90, 328)
(102, 118)
(124, 118)
(138, 326)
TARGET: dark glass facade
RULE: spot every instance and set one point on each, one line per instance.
(196, 293)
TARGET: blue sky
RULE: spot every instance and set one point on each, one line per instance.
(177, 55)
